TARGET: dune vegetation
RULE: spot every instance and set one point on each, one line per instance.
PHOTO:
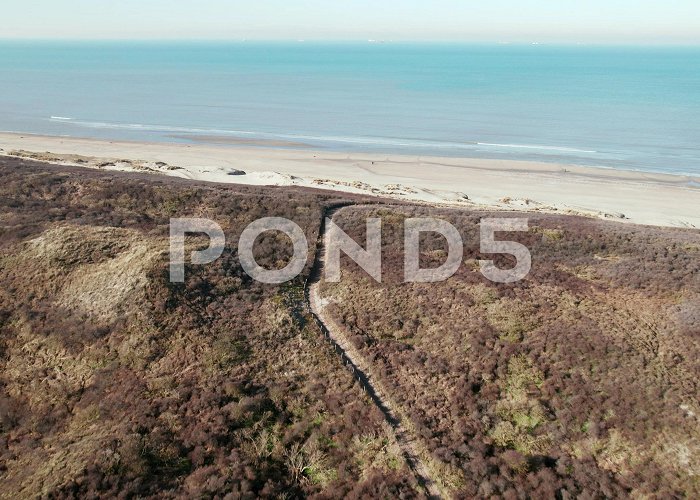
(580, 380)
(113, 381)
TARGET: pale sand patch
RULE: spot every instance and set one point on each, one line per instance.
(645, 198)
(111, 288)
(104, 269)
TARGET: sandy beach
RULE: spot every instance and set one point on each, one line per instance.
(631, 196)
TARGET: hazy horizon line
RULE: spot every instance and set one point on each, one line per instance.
(378, 41)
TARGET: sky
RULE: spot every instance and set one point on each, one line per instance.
(569, 21)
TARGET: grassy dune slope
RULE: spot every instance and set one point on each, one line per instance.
(582, 378)
(114, 381)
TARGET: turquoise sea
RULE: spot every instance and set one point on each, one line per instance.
(619, 107)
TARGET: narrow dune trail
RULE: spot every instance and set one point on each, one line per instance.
(410, 446)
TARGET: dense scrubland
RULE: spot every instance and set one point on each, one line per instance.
(581, 380)
(115, 382)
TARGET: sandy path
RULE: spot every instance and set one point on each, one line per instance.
(362, 369)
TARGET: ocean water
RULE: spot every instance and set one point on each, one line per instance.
(618, 107)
